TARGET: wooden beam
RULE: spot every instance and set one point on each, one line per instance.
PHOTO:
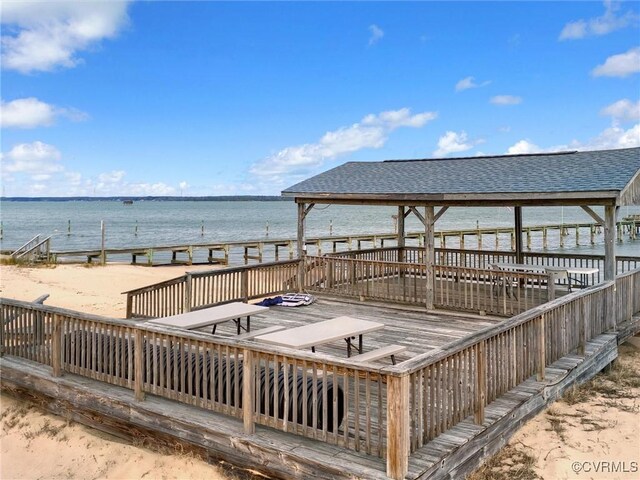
(302, 212)
(308, 209)
(610, 243)
(401, 231)
(418, 214)
(440, 213)
(592, 214)
(518, 232)
(429, 257)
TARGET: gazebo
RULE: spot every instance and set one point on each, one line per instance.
(588, 179)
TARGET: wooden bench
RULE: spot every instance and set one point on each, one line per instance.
(388, 351)
(257, 333)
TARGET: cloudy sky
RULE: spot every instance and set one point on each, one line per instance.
(209, 98)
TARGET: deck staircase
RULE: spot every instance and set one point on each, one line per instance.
(34, 251)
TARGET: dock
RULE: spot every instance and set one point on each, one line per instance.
(274, 249)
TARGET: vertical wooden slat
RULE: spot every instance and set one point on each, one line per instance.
(397, 426)
(139, 365)
(248, 391)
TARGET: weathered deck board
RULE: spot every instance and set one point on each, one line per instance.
(415, 328)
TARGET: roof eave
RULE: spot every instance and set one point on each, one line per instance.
(452, 199)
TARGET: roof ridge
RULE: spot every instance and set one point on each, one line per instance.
(567, 152)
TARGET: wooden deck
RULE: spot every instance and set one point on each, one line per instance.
(216, 437)
(420, 331)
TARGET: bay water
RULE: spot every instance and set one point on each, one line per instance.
(75, 225)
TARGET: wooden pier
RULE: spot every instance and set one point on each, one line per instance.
(266, 249)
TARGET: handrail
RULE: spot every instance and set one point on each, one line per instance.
(35, 248)
(26, 246)
(428, 358)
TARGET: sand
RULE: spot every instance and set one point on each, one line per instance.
(599, 428)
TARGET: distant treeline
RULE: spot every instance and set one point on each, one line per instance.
(226, 198)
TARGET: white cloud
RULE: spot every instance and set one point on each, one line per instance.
(48, 35)
(621, 65)
(114, 176)
(506, 100)
(31, 112)
(522, 147)
(623, 110)
(469, 82)
(452, 142)
(35, 158)
(610, 138)
(609, 22)
(376, 34)
(370, 132)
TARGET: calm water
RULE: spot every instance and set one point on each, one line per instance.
(166, 223)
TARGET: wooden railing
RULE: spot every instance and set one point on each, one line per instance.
(449, 384)
(467, 289)
(196, 290)
(317, 396)
(485, 258)
(34, 250)
(329, 399)
(627, 296)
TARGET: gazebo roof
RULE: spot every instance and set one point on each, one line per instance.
(603, 177)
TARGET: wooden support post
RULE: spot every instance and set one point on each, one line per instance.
(138, 365)
(528, 239)
(544, 238)
(497, 240)
(610, 243)
(429, 256)
(397, 426)
(56, 345)
(517, 231)
(187, 293)
(248, 392)
(401, 227)
(301, 246)
(542, 357)
(592, 234)
(481, 383)
(577, 236)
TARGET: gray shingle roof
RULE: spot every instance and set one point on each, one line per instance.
(603, 170)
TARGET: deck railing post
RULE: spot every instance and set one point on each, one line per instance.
(187, 293)
(397, 426)
(244, 285)
(138, 366)
(56, 346)
(248, 392)
(542, 360)
(129, 305)
(481, 382)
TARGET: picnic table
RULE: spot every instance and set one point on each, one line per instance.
(320, 333)
(213, 316)
(580, 274)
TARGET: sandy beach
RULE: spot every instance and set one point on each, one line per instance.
(597, 423)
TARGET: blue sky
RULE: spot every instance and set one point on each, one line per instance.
(211, 98)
